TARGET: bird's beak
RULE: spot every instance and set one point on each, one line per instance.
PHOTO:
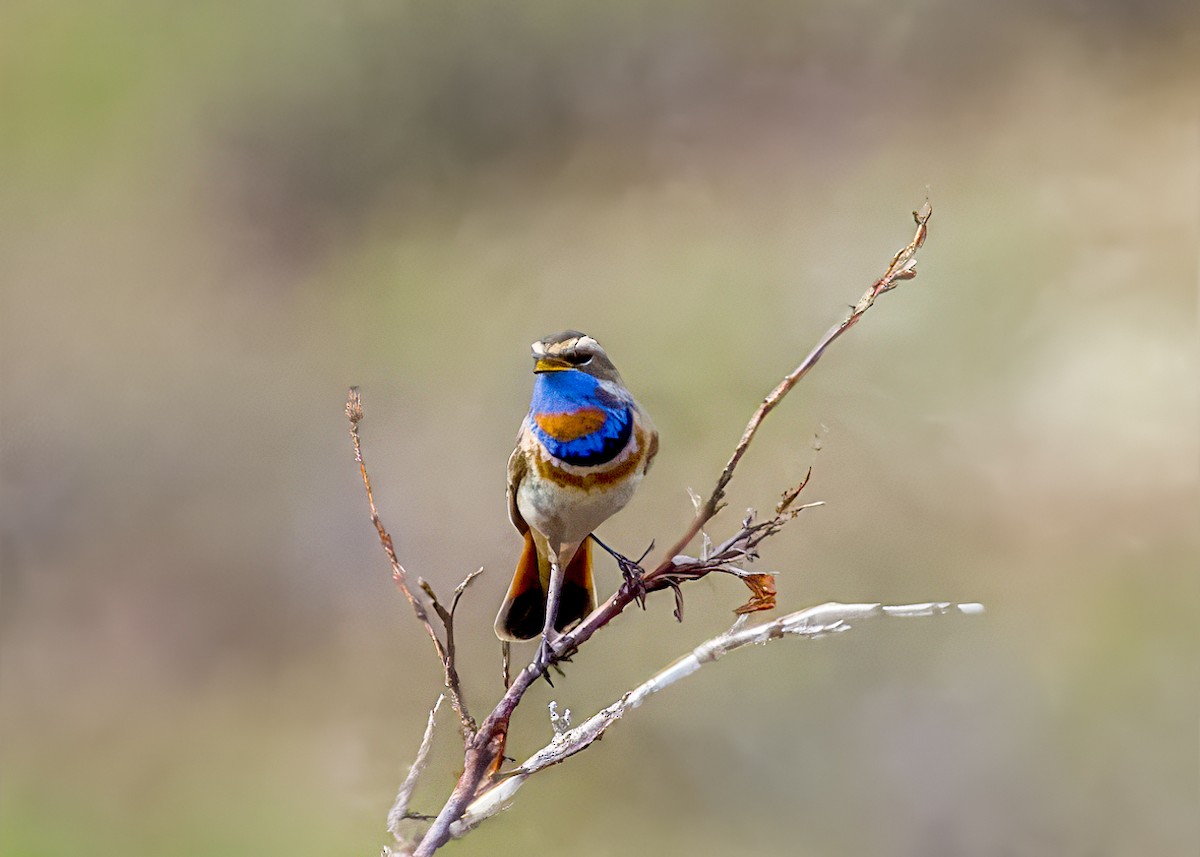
(550, 364)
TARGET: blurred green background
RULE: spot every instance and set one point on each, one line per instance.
(215, 217)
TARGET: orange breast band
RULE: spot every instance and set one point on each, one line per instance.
(567, 427)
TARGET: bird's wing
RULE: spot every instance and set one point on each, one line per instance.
(652, 449)
(517, 467)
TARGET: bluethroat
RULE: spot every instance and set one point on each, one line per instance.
(581, 452)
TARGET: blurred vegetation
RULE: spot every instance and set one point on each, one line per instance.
(214, 218)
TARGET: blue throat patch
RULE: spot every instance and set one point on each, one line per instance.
(568, 391)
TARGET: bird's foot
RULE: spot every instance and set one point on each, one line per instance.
(546, 658)
(631, 570)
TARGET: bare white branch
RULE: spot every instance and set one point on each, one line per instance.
(399, 809)
(818, 621)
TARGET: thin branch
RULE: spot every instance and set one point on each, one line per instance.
(902, 267)
(354, 413)
(814, 622)
(399, 811)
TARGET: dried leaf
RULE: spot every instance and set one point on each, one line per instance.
(762, 587)
(790, 495)
(922, 218)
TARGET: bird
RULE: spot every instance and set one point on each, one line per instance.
(581, 453)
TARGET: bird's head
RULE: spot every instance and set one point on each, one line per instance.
(573, 350)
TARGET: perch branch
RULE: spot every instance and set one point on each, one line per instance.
(814, 622)
(486, 744)
(445, 653)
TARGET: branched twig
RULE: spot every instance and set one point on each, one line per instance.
(727, 557)
(445, 653)
(475, 788)
(447, 616)
(399, 811)
(813, 622)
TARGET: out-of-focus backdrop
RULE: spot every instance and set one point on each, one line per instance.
(215, 217)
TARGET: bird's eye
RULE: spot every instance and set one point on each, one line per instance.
(580, 359)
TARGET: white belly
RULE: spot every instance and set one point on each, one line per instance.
(565, 515)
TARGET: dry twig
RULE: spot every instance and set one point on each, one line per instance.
(727, 557)
(903, 267)
(399, 811)
(445, 653)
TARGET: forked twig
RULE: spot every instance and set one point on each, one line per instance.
(445, 653)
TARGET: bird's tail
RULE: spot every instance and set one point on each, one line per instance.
(523, 612)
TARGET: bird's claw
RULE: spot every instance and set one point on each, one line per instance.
(635, 575)
(631, 571)
(545, 659)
